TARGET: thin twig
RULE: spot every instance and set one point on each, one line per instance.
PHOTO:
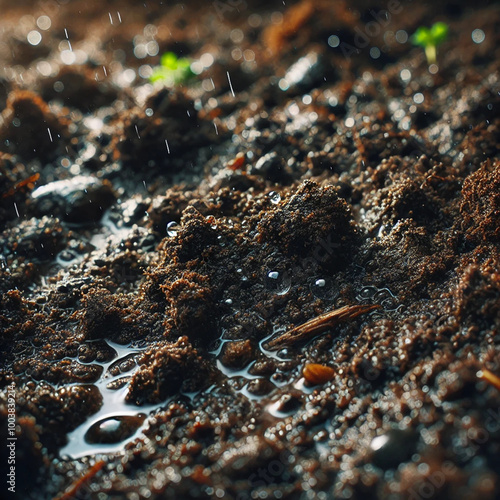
(490, 377)
(318, 325)
(26, 182)
(70, 493)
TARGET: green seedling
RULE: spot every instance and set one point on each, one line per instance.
(172, 70)
(430, 38)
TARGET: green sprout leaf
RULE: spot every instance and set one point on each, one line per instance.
(172, 70)
(169, 61)
(422, 37)
(430, 38)
(439, 33)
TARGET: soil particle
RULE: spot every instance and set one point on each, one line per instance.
(29, 128)
(289, 403)
(311, 220)
(60, 371)
(151, 235)
(191, 307)
(36, 239)
(174, 123)
(198, 237)
(248, 455)
(96, 351)
(260, 387)
(16, 181)
(77, 87)
(237, 354)
(480, 206)
(55, 409)
(163, 371)
(101, 319)
(476, 294)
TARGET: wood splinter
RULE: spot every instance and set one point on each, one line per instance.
(71, 492)
(490, 377)
(26, 182)
(318, 325)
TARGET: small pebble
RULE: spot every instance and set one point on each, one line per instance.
(317, 374)
(260, 386)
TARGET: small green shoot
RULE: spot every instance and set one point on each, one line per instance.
(172, 70)
(430, 38)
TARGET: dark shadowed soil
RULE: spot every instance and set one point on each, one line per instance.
(160, 246)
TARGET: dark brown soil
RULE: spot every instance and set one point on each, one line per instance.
(154, 239)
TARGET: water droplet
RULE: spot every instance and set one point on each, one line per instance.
(323, 288)
(392, 448)
(382, 231)
(275, 197)
(389, 304)
(67, 255)
(283, 353)
(3, 263)
(382, 294)
(173, 228)
(286, 405)
(278, 282)
(113, 429)
(367, 292)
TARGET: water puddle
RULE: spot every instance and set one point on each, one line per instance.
(116, 422)
(241, 379)
(383, 296)
(277, 355)
(109, 233)
(231, 372)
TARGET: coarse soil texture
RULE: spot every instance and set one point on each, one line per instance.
(277, 278)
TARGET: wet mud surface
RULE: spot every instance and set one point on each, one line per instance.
(168, 255)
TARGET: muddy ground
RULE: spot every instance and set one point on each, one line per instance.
(156, 241)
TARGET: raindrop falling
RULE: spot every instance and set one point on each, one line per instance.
(275, 197)
(173, 228)
(278, 282)
(230, 84)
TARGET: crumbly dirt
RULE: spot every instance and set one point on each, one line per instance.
(159, 237)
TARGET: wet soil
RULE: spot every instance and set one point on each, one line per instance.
(154, 241)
